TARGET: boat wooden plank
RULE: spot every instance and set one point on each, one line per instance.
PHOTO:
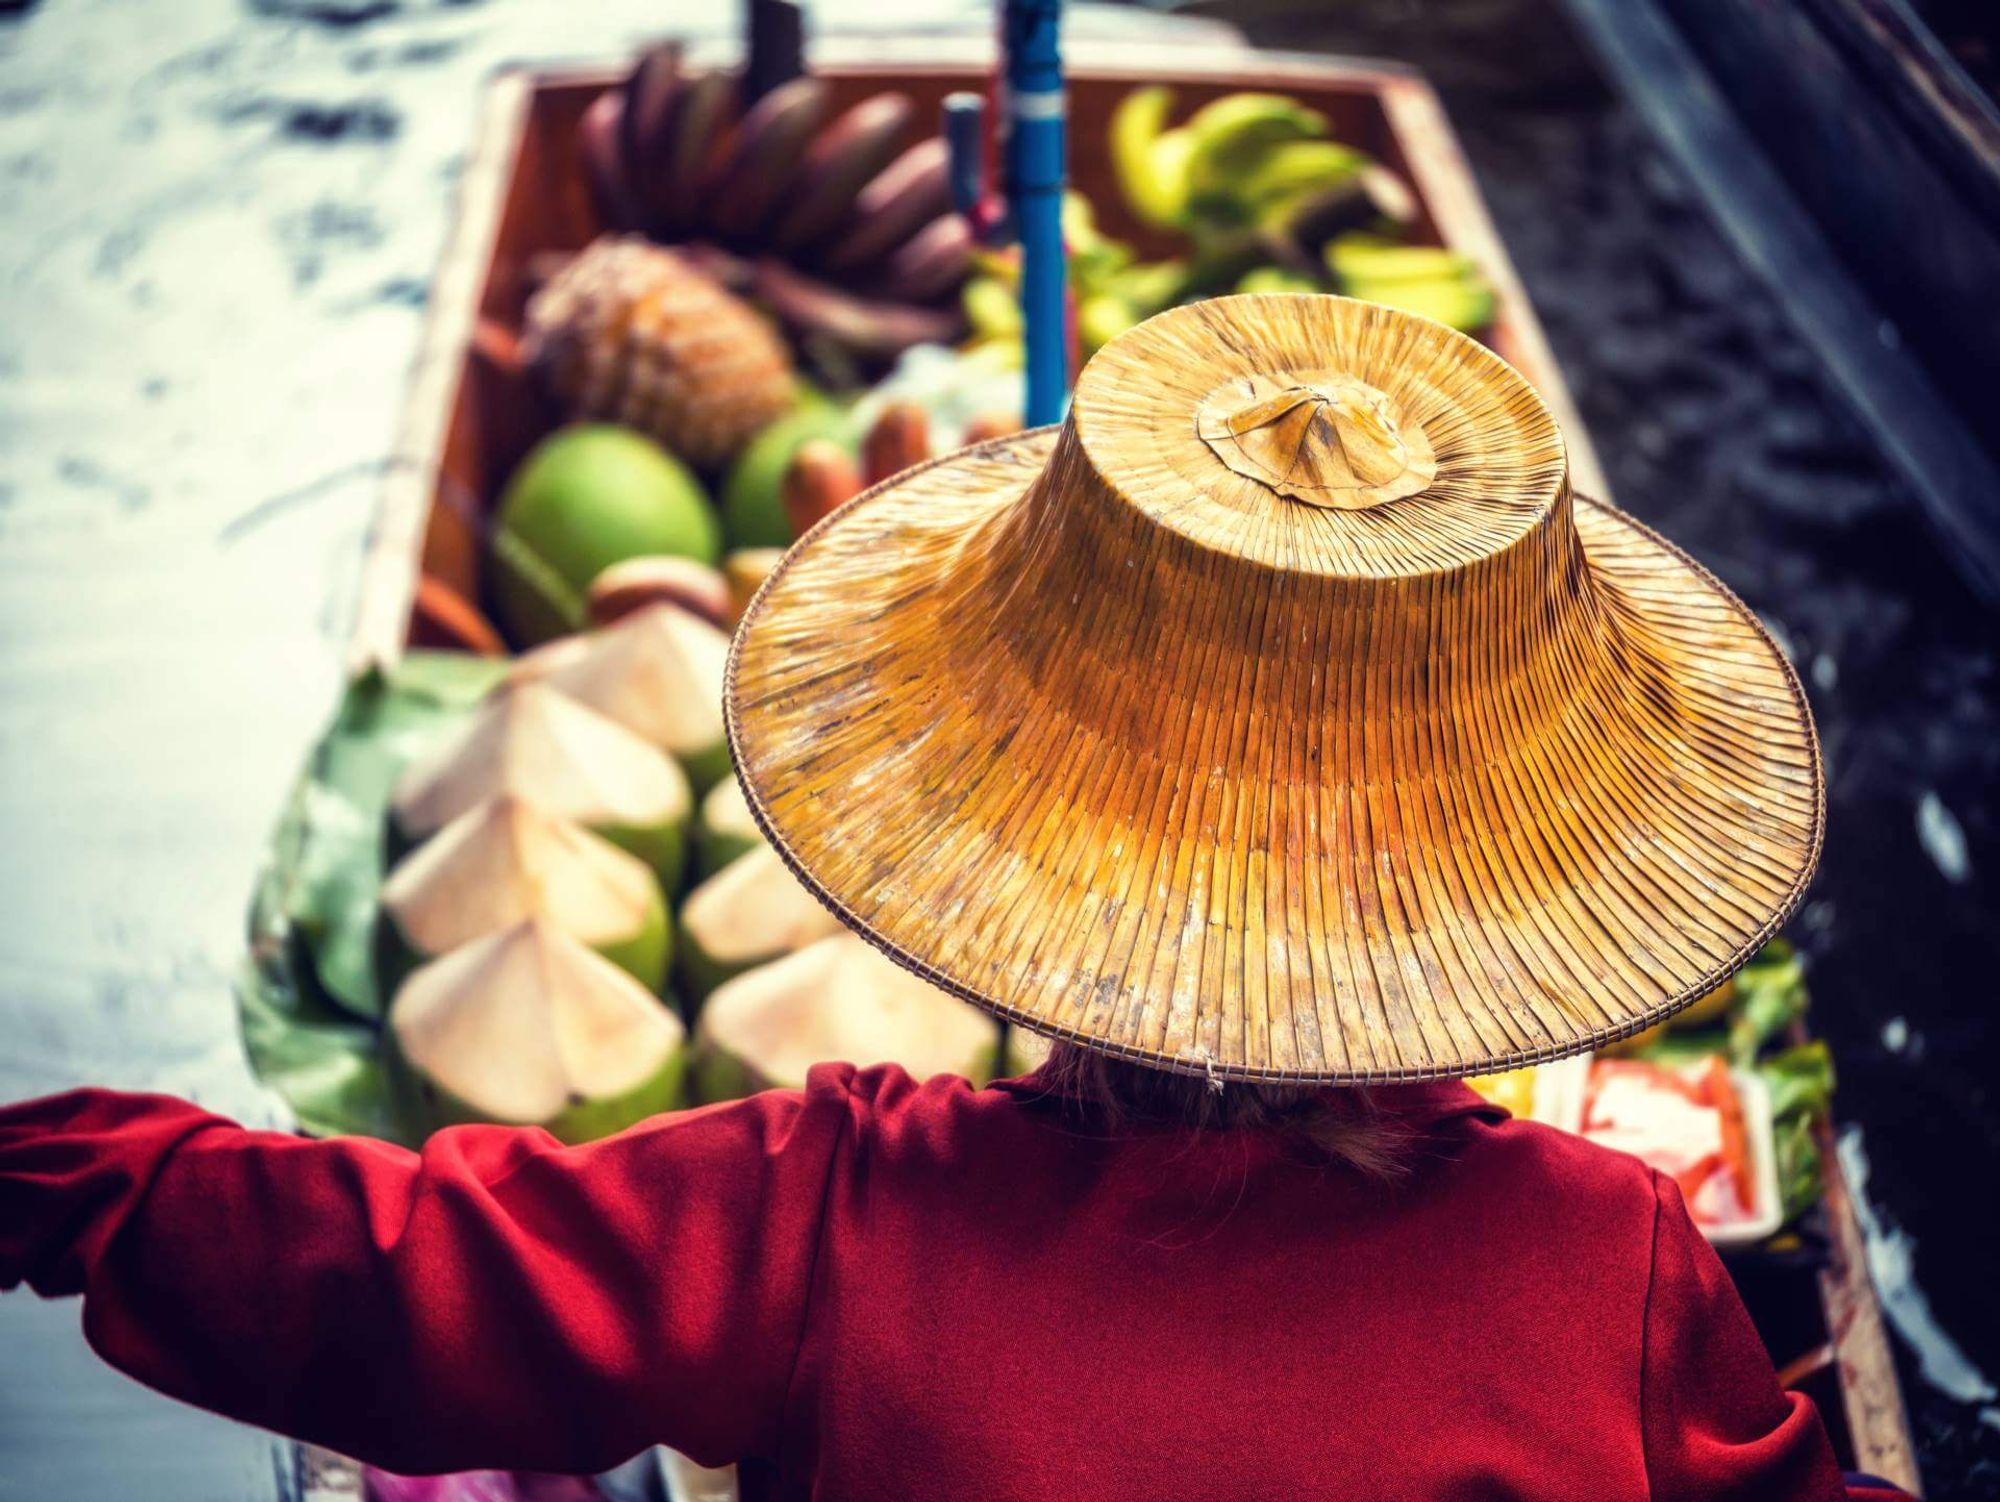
(1877, 1423)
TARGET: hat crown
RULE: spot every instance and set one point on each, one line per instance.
(1320, 435)
(1307, 508)
(1335, 442)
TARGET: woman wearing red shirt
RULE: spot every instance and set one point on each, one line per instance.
(1283, 738)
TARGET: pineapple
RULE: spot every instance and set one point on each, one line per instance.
(630, 332)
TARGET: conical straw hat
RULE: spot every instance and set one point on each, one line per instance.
(1281, 717)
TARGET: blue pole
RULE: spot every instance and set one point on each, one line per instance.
(1035, 190)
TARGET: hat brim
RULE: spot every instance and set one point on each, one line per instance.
(1576, 887)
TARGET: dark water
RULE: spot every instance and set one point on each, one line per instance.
(1970, 32)
(218, 220)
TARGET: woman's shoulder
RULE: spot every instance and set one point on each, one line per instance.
(1459, 1145)
(888, 1097)
(1559, 1179)
(878, 1099)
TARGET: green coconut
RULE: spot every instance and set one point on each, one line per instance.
(529, 740)
(839, 1000)
(507, 860)
(751, 911)
(724, 828)
(585, 498)
(658, 672)
(529, 1027)
(753, 511)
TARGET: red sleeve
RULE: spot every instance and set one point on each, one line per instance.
(497, 1301)
(1717, 1426)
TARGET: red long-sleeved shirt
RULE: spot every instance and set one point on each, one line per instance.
(893, 1289)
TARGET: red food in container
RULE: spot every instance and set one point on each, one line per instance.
(1687, 1123)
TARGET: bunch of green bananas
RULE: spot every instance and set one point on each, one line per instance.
(1270, 202)
(1244, 160)
(1426, 279)
(1113, 289)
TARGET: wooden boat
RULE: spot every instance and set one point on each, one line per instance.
(471, 415)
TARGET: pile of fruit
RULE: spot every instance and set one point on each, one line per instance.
(786, 308)
(838, 223)
(1263, 200)
(1268, 203)
(528, 888)
(1749, 1023)
(534, 892)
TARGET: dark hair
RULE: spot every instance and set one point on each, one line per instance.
(1344, 1126)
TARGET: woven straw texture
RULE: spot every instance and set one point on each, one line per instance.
(1282, 716)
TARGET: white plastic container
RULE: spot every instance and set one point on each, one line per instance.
(1559, 1097)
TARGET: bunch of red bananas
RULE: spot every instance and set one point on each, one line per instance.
(838, 221)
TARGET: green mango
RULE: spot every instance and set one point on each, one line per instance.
(753, 510)
(587, 497)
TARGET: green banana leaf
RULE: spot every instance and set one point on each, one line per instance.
(1770, 997)
(325, 1064)
(1799, 1181)
(388, 717)
(1682, 1047)
(1800, 1080)
(307, 995)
